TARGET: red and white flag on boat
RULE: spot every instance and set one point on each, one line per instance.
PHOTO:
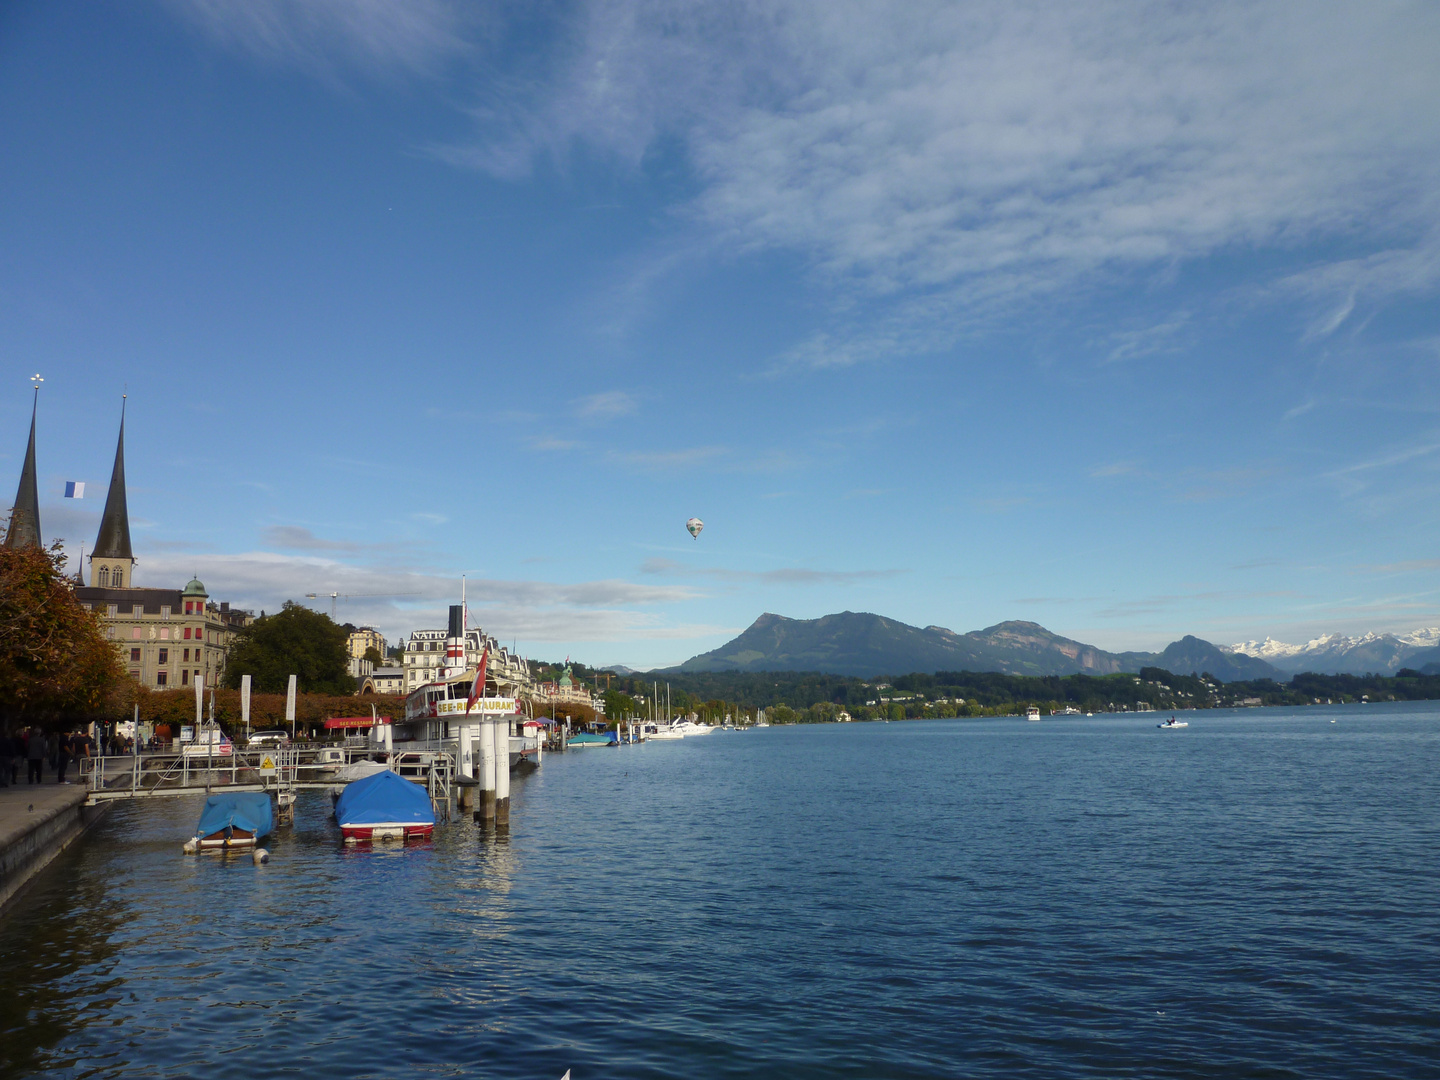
(477, 688)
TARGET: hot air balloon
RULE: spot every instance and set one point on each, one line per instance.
(695, 525)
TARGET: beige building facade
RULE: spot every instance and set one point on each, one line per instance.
(167, 638)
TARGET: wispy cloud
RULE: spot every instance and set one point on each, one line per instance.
(296, 538)
(1115, 468)
(677, 458)
(1410, 567)
(1353, 479)
(400, 599)
(790, 575)
(934, 163)
(326, 37)
(609, 405)
(547, 443)
(952, 158)
(1334, 289)
(1160, 337)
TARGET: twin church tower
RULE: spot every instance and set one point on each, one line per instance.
(166, 638)
(112, 562)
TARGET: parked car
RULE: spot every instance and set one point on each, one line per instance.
(269, 738)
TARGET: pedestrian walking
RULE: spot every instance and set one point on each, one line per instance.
(64, 752)
(35, 756)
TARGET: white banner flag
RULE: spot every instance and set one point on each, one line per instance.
(290, 704)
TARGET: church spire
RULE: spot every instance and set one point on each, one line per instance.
(112, 560)
(24, 530)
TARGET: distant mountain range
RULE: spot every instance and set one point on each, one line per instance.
(865, 645)
(1337, 654)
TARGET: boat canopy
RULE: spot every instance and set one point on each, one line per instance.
(386, 798)
(248, 810)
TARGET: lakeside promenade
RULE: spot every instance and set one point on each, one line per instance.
(37, 823)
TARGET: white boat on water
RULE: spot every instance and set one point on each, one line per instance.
(661, 733)
(690, 727)
(359, 770)
(1173, 723)
(1032, 713)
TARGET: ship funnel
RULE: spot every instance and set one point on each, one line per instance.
(457, 620)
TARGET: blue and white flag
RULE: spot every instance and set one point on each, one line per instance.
(74, 489)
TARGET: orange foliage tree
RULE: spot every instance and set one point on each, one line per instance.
(56, 667)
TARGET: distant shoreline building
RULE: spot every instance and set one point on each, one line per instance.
(425, 654)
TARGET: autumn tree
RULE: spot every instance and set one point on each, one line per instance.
(55, 662)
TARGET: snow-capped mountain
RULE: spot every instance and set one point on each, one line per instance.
(1339, 653)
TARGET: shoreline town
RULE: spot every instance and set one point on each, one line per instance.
(470, 713)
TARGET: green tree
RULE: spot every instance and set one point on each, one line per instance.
(293, 641)
(618, 706)
(373, 655)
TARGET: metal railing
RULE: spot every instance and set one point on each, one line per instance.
(150, 775)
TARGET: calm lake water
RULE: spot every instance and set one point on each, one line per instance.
(1256, 896)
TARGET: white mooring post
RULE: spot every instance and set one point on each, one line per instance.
(487, 769)
(502, 770)
(465, 760)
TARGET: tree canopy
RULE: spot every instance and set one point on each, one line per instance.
(55, 663)
(293, 641)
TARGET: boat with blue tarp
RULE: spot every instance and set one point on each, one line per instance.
(235, 819)
(586, 738)
(384, 806)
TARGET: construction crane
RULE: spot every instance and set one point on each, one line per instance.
(350, 596)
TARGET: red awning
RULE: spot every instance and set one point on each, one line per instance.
(354, 721)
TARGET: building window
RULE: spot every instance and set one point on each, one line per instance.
(135, 675)
(136, 633)
(134, 656)
(164, 656)
(184, 678)
(187, 654)
(104, 576)
(164, 611)
(160, 678)
(187, 631)
(112, 610)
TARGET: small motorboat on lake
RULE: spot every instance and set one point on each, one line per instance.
(236, 819)
(1172, 723)
(586, 738)
(1032, 713)
(384, 806)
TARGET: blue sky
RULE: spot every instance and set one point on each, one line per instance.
(1119, 317)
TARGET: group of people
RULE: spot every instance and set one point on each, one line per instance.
(36, 749)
